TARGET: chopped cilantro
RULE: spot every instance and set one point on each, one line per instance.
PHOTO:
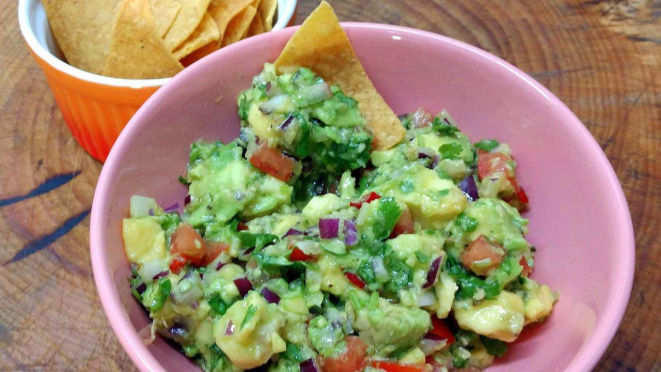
(494, 347)
(451, 151)
(486, 144)
(250, 313)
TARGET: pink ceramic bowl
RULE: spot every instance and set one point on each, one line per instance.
(579, 219)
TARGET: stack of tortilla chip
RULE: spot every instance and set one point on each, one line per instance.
(150, 39)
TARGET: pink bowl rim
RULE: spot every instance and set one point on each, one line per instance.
(585, 360)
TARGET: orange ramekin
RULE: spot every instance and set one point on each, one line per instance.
(96, 108)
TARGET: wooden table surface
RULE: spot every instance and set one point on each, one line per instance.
(602, 58)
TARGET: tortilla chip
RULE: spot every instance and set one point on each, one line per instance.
(238, 26)
(136, 51)
(165, 12)
(206, 32)
(189, 17)
(267, 10)
(223, 11)
(256, 27)
(322, 46)
(199, 53)
(83, 29)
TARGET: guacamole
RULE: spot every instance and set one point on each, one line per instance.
(301, 248)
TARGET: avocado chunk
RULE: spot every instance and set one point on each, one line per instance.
(248, 333)
(501, 318)
(144, 239)
(499, 222)
(224, 184)
(390, 327)
(433, 201)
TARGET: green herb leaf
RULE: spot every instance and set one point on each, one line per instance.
(366, 272)
(388, 214)
(450, 151)
(494, 347)
(216, 356)
(443, 127)
(217, 303)
(468, 224)
(303, 147)
(135, 282)
(486, 144)
(250, 313)
(293, 353)
(259, 241)
(162, 293)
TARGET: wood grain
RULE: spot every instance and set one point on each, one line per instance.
(602, 58)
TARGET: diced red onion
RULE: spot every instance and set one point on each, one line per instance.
(434, 162)
(273, 104)
(220, 265)
(468, 186)
(285, 124)
(426, 152)
(151, 212)
(350, 233)
(230, 329)
(293, 232)
(244, 285)
(316, 93)
(194, 305)
(308, 366)
(152, 269)
(161, 274)
(177, 330)
(188, 289)
(145, 334)
(270, 296)
(312, 231)
(421, 118)
(187, 200)
(246, 254)
(430, 343)
(171, 208)
(141, 288)
(329, 227)
(272, 89)
(427, 299)
(432, 274)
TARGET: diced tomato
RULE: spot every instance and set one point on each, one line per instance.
(523, 197)
(404, 225)
(241, 227)
(396, 367)
(489, 163)
(351, 360)
(187, 244)
(527, 270)
(299, 255)
(481, 249)
(272, 162)
(213, 250)
(372, 196)
(177, 264)
(355, 280)
(441, 330)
